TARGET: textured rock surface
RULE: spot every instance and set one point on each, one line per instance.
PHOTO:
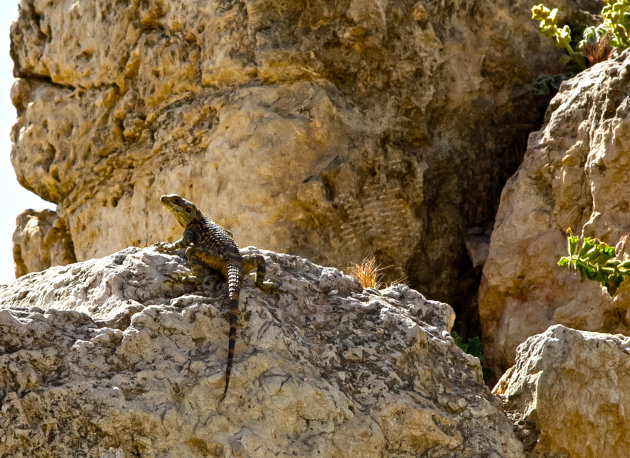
(40, 240)
(103, 357)
(331, 129)
(570, 388)
(575, 174)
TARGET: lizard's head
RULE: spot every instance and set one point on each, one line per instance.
(183, 210)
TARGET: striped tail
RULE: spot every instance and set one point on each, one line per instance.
(234, 278)
(233, 315)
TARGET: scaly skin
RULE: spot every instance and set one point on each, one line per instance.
(209, 245)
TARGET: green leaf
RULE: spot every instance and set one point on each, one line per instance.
(474, 347)
(595, 260)
(587, 245)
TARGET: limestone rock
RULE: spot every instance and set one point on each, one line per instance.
(104, 358)
(571, 388)
(331, 129)
(477, 242)
(40, 240)
(575, 174)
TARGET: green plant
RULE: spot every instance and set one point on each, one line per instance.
(547, 84)
(562, 37)
(614, 28)
(595, 260)
(471, 346)
(584, 46)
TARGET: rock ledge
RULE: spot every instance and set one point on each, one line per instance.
(104, 358)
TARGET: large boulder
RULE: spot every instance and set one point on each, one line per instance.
(574, 175)
(40, 240)
(568, 393)
(105, 357)
(331, 129)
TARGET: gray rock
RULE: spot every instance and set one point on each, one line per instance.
(103, 358)
(568, 393)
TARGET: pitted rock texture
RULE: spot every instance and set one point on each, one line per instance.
(569, 388)
(574, 175)
(104, 358)
(40, 240)
(330, 129)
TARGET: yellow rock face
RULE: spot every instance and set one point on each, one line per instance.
(331, 129)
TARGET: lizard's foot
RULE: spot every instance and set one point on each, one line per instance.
(163, 247)
(187, 279)
(268, 286)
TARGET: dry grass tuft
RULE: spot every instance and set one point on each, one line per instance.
(368, 273)
(399, 281)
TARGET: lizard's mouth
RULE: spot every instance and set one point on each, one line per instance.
(168, 201)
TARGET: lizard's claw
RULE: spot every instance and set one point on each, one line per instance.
(162, 247)
(187, 279)
(268, 286)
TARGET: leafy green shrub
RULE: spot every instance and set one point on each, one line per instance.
(547, 84)
(562, 37)
(595, 260)
(614, 29)
(594, 44)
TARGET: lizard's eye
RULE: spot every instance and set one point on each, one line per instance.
(187, 209)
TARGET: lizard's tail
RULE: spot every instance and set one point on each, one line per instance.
(232, 315)
(234, 277)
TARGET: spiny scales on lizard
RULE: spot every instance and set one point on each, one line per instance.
(209, 245)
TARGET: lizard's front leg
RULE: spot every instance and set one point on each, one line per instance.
(185, 241)
(165, 247)
(199, 266)
(204, 260)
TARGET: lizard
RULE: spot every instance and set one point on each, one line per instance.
(208, 245)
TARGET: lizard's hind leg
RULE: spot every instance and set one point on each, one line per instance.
(255, 261)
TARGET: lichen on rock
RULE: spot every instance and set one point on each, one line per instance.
(105, 357)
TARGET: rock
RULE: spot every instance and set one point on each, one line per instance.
(574, 175)
(332, 129)
(40, 240)
(571, 388)
(104, 358)
(477, 242)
